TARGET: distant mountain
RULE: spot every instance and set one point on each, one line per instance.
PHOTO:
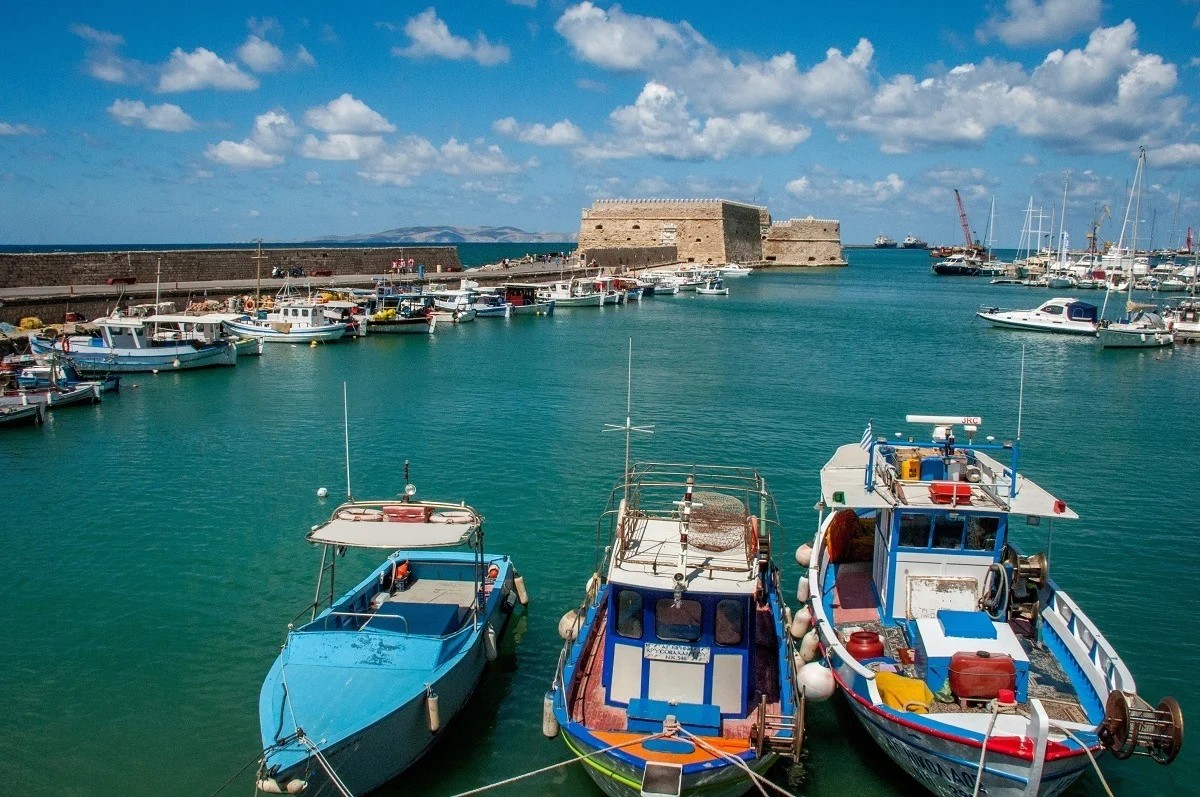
(449, 235)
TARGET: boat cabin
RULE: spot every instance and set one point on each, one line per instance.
(521, 294)
(1071, 310)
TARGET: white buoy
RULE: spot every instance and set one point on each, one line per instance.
(801, 622)
(431, 707)
(297, 786)
(312, 344)
(810, 646)
(593, 584)
(322, 492)
(803, 593)
(804, 555)
(175, 363)
(816, 681)
(273, 786)
(522, 593)
(568, 626)
(490, 647)
(549, 721)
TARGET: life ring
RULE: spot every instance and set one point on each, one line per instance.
(493, 571)
(359, 513)
(248, 304)
(66, 344)
(452, 516)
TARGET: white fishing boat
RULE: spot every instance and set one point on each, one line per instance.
(29, 415)
(454, 306)
(968, 665)
(130, 345)
(290, 320)
(526, 298)
(570, 293)
(713, 287)
(401, 314)
(738, 270)
(491, 305)
(204, 329)
(1063, 315)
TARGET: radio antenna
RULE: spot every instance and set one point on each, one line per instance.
(1021, 394)
(628, 428)
(346, 435)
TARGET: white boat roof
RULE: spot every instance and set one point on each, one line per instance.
(845, 473)
(179, 318)
(389, 536)
(651, 554)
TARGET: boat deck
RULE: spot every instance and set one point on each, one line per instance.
(855, 609)
(437, 591)
(590, 709)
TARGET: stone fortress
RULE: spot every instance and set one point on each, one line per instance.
(704, 231)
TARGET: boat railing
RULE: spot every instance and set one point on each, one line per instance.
(996, 480)
(817, 569)
(1083, 640)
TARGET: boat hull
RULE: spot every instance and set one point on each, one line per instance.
(591, 300)
(30, 415)
(403, 326)
(321, 334)
(1133, 339)
(1006, 322)
(101, 359)
(539, 308)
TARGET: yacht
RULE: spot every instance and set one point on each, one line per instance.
(1063, 315)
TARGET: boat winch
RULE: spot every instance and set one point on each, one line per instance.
(1132, 727)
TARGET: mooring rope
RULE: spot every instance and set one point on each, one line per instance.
(983, 749)
(1087, 750)
(559, 765)
(325, 765)
(758, 780)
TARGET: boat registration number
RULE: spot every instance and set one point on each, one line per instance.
(686, 653)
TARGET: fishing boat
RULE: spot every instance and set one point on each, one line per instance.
(52, 396)
(490, 305)
(885, 242)
(27, 415)
(50, 371)
(608, 288)
(1063, 315)
(571, 293)
(526, 298)
(130, 345)
(968, 665)
(677, 675)
(367, 685)
(400, 314)
(204, 329)
(290, 320)
(713, 287)
(736, 270)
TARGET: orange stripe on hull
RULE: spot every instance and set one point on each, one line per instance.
(697, 756)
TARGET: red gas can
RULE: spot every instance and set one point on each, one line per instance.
(950, 492)
(981, 675)
(865, 645)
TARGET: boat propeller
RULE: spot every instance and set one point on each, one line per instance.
(1132, 727)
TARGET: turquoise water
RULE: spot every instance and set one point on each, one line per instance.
(155, 543)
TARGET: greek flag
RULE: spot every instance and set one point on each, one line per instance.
(865, 443)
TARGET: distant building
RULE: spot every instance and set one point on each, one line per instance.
(803, 242)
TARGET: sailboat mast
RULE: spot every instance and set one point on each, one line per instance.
(1062, 224)
(1139, 180)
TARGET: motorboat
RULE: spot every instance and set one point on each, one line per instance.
(608, 289)
(571, 293)
(629, 287)
(1138, 329)
(51, 371)
(17, 415)
(1184, 321)
(713, 287)
(960, 656)
(960, 264)
(401, 314)
(204, 329)
(1061, 279)
(51, 397)
(369, 683)
(1172, 284)
(130, 345)
(677, 673)
(454, 306)
(290, 320)
(738, 270)
(1063, 315)
(491, 305)
(526, 298)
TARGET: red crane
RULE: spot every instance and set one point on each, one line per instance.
(962, 218)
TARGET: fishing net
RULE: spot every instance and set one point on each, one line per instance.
(718, 522)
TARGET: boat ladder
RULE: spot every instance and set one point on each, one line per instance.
(767, 732)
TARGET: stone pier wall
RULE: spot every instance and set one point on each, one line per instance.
(193, 265)
(803, 242)
(626, 258)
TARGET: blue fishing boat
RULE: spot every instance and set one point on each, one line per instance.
(677, 672)
(968, 665)
(364, 688)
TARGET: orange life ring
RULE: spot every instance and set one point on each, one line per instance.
(493, 571)
(248, 304)
(66, 344)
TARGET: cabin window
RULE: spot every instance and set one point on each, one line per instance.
(1053, 309)
(629, 614)
(914, 530)
(948, 532)
(730, 619)
(680, 623)
(981, 533)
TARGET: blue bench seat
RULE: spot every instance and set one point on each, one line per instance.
(646, 716)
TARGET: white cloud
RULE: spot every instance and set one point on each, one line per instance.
(660, 124)
(103, 62)
(1029, 160)
(615, 40)
(166, 117)
(8, 129)
(260, 54)
(272, 136)
(304, 57)
(848, 190)
(413, 156)
(1174, 155)
(431, 37)
(264, 27)
(312, 178)
(202, 69)
(587, 84)
(347, 115)
(341, 147)
(1030, 22)
(254, 214)
(559, 134)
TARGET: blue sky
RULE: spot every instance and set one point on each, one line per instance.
(120, 123)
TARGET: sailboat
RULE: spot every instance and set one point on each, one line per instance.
(1140, 327)
(990, 266)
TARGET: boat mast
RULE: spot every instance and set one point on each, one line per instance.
(628, 428)
(346, 436)
(987, 236)
(258, 275)
(1139, 179)
(1062, 225)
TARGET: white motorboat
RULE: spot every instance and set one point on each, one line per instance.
(526, 298)
(1140, 329)
(126, 345)
(738, 270)
(1184, 321)
(713, 287)
(1172, 285)
(290, 320)
(1063, 315)
(1061, 279)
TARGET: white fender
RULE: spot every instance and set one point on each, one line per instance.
(491, 647)
(431, 707)
(522, 593)
(801, 622)
(810, 646)
(549, 721)
(816, 681)
(804, 555)
(568, 626)
(803, 593)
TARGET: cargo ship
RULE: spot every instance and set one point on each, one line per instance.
(884, 242)
(913, 242)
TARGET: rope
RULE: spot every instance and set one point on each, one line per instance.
(236, 775)
(758, 780)
(1087, 750)
(560, 764)
(983, 749)
(316, 753)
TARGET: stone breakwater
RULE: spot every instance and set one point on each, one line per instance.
(196, 265)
